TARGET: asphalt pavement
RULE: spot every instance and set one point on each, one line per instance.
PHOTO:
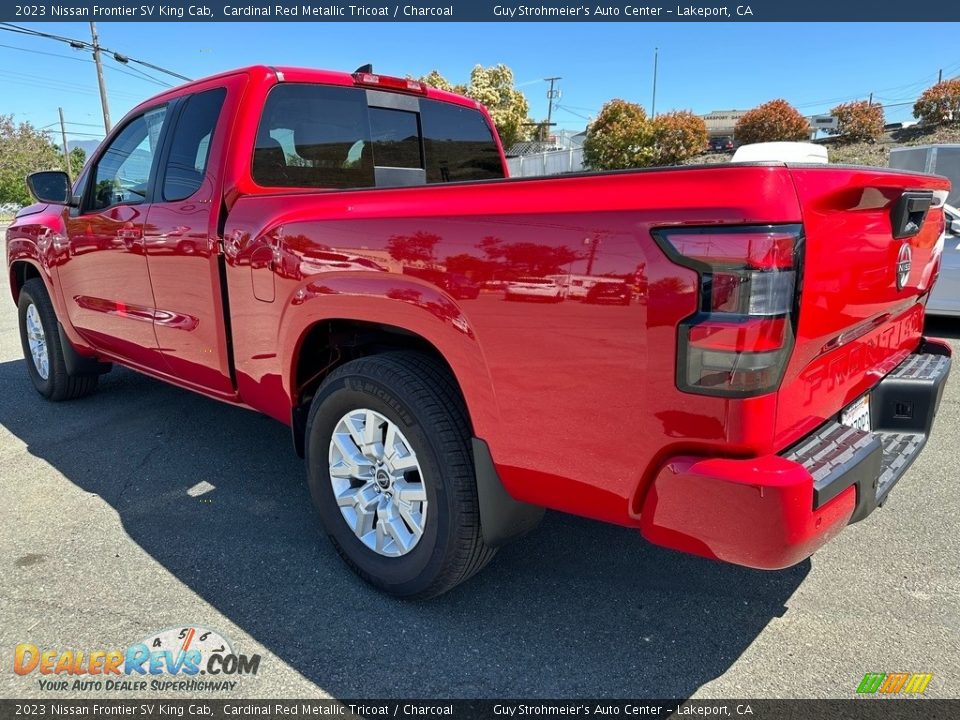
(146, 507)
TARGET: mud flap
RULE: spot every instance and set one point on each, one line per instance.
(502, 518)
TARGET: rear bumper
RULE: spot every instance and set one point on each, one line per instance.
(774, 511)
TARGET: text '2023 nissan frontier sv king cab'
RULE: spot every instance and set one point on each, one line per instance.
(335, 250)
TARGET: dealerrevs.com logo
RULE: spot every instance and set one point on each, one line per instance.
(182, 659)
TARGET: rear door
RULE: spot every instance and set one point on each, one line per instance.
(182, 246)
(104, 278)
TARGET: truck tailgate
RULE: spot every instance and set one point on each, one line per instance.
(866, 275)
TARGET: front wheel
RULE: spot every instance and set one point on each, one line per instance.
(42, 349)
(391, 473)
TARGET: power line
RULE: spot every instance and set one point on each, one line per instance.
(571, 112)
(85, 45)
(53, 84)
(141, 75)
(131, 72)
(41, 52)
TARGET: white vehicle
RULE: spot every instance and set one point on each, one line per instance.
(795, 152)
(575, 287)
(533, 288)
(945, 298)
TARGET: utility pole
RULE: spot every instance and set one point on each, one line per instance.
(551, 96)
(870, 101)
(939, 76)
(103, 86)
(594, 244)
(66, 152)
(653, 104)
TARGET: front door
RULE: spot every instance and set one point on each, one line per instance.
(182, 250)
(104, 279)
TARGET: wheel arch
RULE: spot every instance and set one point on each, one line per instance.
(22, 270)
(323, 344)
(353, 325)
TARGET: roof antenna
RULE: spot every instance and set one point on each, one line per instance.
(368, 68)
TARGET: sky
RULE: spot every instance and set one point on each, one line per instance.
(702, 66)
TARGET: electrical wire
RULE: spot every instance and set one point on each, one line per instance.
(139, 74)
(73, 42)
(41, 52)
(136, 72)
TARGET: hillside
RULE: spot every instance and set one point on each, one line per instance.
(865, 153)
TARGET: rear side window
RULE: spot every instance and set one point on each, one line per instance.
(458, 144)
(314, 136)
(327, 137)
(190, 149)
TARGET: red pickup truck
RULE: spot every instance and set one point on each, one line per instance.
(335, 250)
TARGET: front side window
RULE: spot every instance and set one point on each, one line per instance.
(190, 148)
(314, 136)
(122, 174)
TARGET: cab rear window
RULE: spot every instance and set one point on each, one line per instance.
(319, 136)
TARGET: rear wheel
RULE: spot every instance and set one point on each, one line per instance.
(391, 473)
(42, 348)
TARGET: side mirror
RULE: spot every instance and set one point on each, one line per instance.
(52, 186)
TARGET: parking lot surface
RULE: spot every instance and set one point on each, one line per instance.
(102, 545)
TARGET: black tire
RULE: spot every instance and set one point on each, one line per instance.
(59, 384)
(417, 394)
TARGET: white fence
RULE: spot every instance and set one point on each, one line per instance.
(554, 162)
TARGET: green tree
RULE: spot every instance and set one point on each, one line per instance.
(621, 137)
(25, 149)
(78, 156)
(494, 88)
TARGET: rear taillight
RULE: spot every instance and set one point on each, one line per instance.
(738, 342)
(386, 82)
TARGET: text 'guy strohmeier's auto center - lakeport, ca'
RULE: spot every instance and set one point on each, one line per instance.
(296, 10)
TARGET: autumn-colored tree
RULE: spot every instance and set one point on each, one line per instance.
(621, 137)
(677, 136)
(23, 150)
(494, 88)
(772, 121)
(858, 121)
(939, 104)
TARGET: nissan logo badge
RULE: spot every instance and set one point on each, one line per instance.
(904, 263)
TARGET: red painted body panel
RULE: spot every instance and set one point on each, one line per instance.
(855, 325)
(756, 512)
(577, 401)
(519, 364)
